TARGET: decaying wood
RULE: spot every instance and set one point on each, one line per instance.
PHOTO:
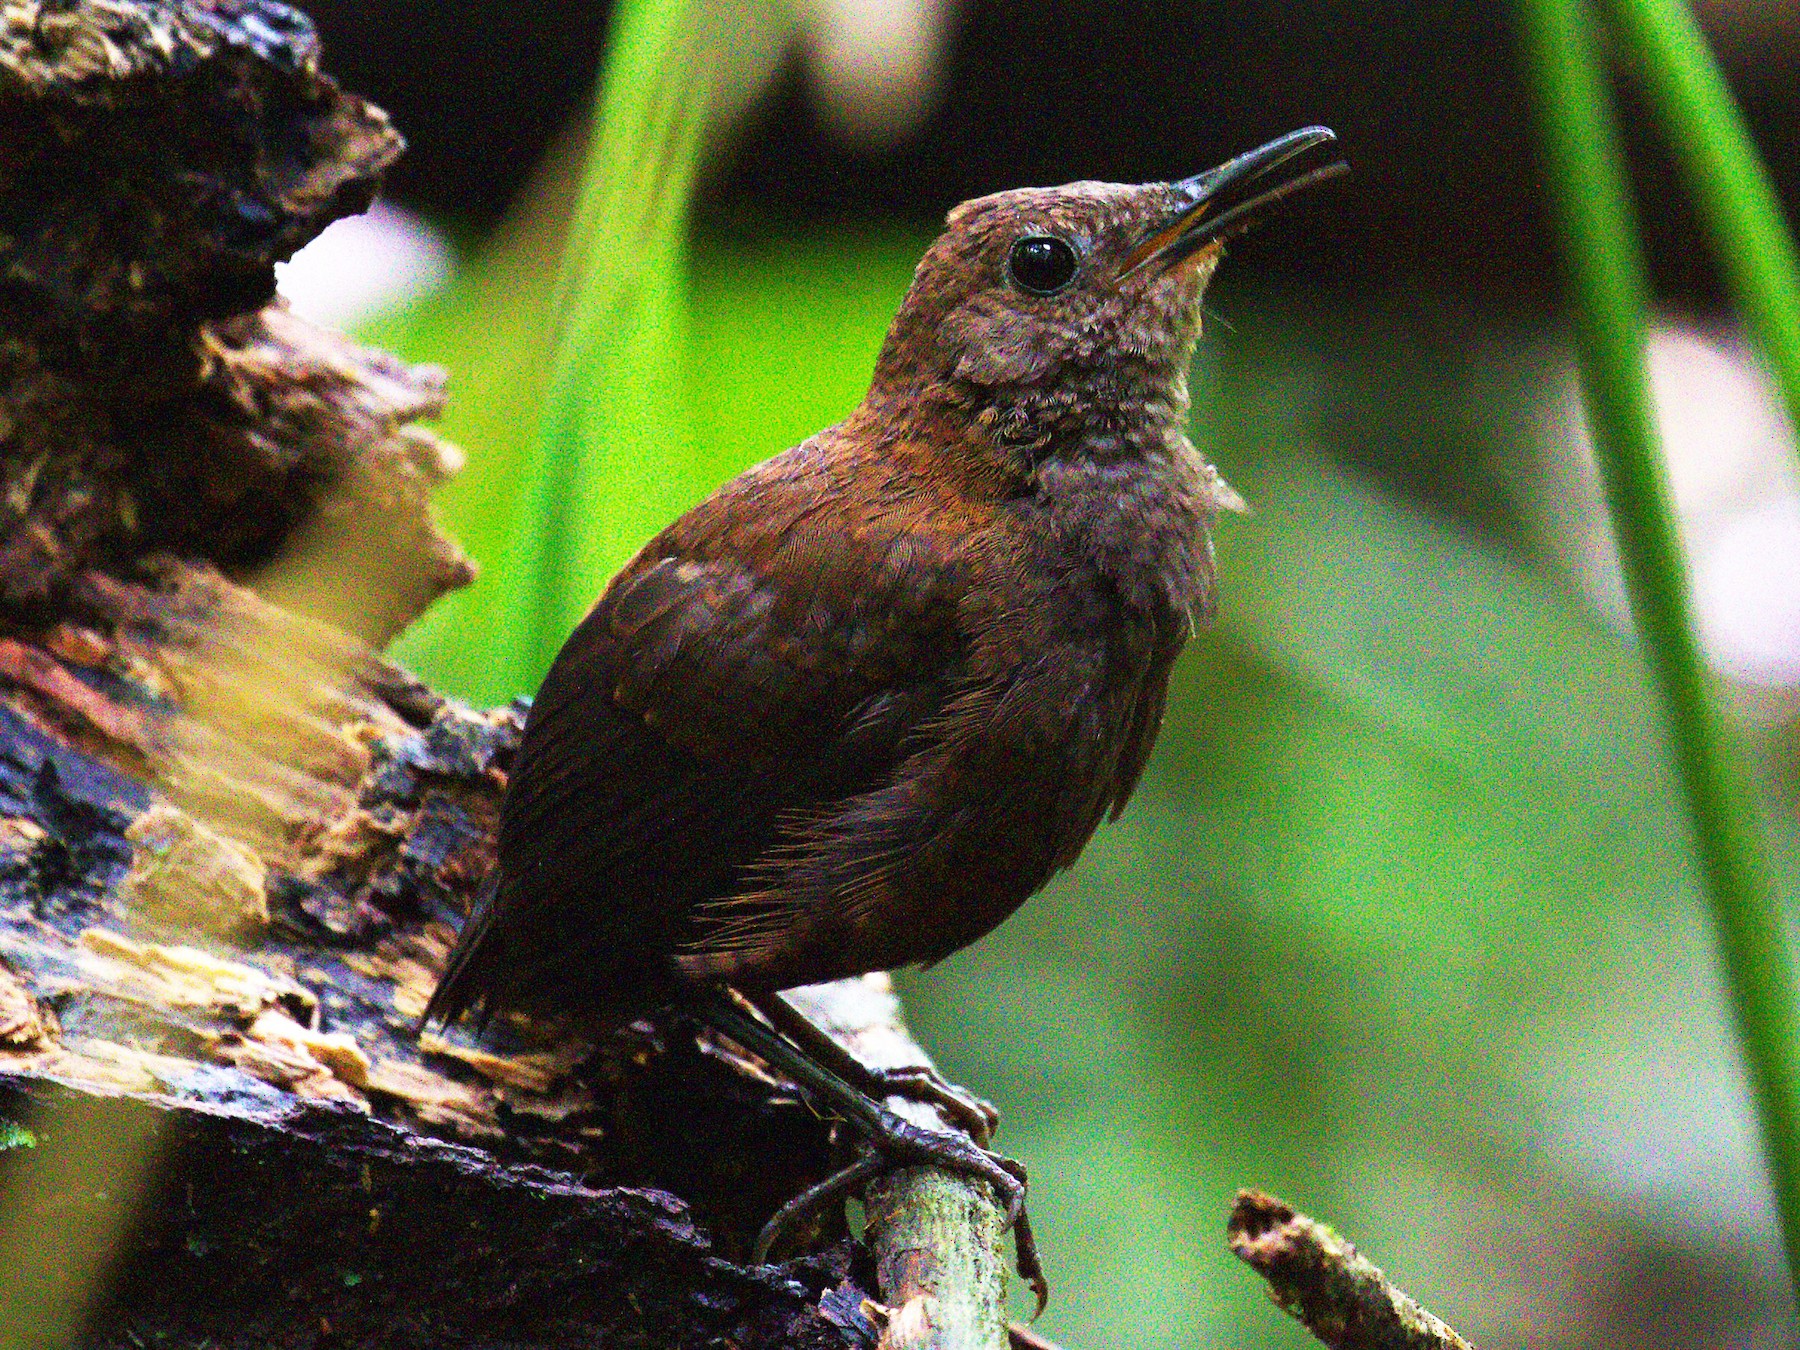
(235, 840)
(156, 160)
(1320, 1278)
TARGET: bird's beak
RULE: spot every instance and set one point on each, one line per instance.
(1212, 206)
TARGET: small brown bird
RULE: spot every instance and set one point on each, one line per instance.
(851, 710)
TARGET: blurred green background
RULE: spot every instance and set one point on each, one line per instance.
(1403, 923)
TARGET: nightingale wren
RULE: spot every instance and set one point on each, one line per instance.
(850, 711)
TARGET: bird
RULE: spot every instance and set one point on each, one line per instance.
(855, 707)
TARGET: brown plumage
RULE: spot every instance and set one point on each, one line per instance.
(850, 711)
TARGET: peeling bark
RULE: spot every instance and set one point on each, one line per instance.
(156, 160)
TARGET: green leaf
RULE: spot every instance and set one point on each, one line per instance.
(610, 462)
(1608, 292)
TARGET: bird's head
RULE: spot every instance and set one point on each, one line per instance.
(1047, 311)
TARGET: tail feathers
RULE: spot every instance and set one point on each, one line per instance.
(463, 984)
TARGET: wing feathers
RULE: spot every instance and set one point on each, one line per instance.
(1002, 789)
(796, 739)
(710, 702)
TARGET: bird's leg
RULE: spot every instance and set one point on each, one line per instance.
(868, 1165)
(898, 1140)
(1025, 1249)
(894, 1135)
(916, 1082)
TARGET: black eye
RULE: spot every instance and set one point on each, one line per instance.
(1041, 264)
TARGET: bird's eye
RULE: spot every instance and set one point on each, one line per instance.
(1041, 264)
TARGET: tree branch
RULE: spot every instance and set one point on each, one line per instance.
(1318, 1277)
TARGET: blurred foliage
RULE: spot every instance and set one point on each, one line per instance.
(1664, 47)
(783, 335)
(605, 466)
(1608, 283)
(65, 1210)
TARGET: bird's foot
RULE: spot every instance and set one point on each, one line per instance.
(897, 1142)
(962, 1108)
(916, 1082)
(836, 1079)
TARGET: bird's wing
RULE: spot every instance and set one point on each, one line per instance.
(998, 792)
(766, 655)
(1146, 718)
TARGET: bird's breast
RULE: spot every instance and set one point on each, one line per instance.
(1135, 528)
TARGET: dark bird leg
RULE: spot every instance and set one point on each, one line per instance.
(921, 1084)
(897, 1141)
(869, 1164)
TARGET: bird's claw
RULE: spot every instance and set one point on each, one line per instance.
(1014, 1189)
(842, 1081)
(1031, 1268)
(896, 1141)
(906, 1142)
(869, 1164)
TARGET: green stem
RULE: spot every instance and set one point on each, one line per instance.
(608, 460)
(1669, 55)
(1608, 292)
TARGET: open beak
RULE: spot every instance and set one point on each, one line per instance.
(1213, 206)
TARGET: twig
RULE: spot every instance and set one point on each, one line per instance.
(1318, 1277)
(935, 1236)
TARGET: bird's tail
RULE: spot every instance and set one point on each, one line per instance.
(461, 987)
